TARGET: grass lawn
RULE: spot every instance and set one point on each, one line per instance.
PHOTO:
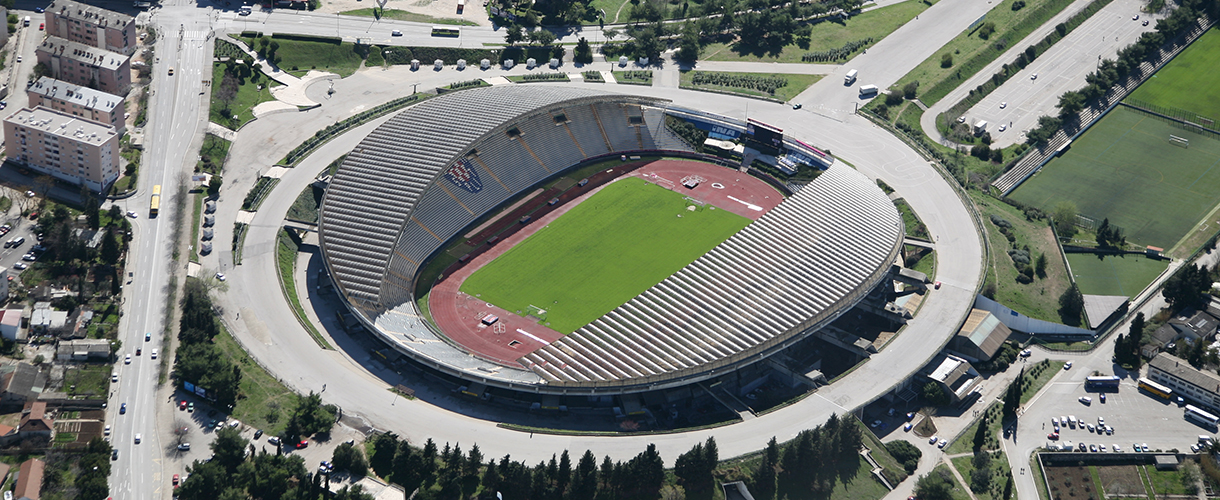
(1040, 299)
(1177, 84)
(1126, 275)
(402, 15)
(959, 490)
(305, 208)
(634, 77)
(829, 35)
(87, 380)
(796, 84)
(263, 402)
(913, 226)
(971, 53)
(573, 267)
(286, 260)
(299, 56)
(1124, 169)
(213, 154)
(1165, 482)
(196, 214)
(248, 96)
(999, 466)
(926, 264)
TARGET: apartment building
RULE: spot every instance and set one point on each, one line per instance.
(67, 147)
(77, 100)
(92, 26)
(75, 62)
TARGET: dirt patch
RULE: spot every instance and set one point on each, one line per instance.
(1073, 482)
(1121, 481)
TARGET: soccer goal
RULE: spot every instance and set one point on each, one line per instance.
(536, 312)
(694, 205)
(1179, 141)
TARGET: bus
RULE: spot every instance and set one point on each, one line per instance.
(1155, 389)
(1199, 416)
(1110, 382)
(445, 31)
(155, 205)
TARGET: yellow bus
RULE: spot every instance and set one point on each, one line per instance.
(1155, 389)
(156, 201)
(445, 31)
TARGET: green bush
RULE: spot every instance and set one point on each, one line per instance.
(837, 54)
(760, 83)
(593, 76)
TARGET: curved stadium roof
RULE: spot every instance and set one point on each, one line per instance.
(779, 279)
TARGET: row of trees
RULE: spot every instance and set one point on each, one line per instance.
(1110, 72)
(198, 360)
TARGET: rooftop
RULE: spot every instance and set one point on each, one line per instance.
(63, 125)
(29, 480)
(89, 13)
(1180, 368)
(75, 94)
(80, 52)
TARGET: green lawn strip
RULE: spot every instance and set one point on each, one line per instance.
(402, 15)
(970, 53)
(634, 77)
(965, 467)
(1036, 383)
(1177, 84)
(965, 441)
(247, 97)
(1097, 485)
(213, 153)
(1166, 482)
(305, 208)
(829, 35)
(1067, 346)
(927, 264)
(908, 119)
(796, 84)
(914, 226)
(263, 402)
(1040, 480)
(286, 259)
(1147, 485)
(1114, 275)
(1124, 169)
(571, 267)
(1039, 299)
(196, 214)
(611, 8)
(299, 54)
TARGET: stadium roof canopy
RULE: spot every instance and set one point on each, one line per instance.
(784, 276)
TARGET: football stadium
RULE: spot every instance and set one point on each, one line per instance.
(567, 241)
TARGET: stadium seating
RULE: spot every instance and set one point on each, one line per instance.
(584, 128)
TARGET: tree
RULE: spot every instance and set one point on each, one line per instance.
(353, 492)
(229, 448)
(584, 479)
(310, 417)
(946, 60)
(227, 91)
(934, 394)
(351, 459)
(1185, 288)
(689, 44)
(583, 53)
(906, 453)
(980, 478)
(514, 35)
(1064, 216)
(541, 37)
(214, 184)
(181, 430)
(1071, 304)
(1040, 265)
(986, 30)
(110, 248)
(980, 433)
(1070, 103)
(934, 486)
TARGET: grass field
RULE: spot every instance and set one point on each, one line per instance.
(1125, 275)
(828, 35)
(796, 85)
(248, 96)
(265, 403)
(1178, 83)
(581, 266)
(402, 15)
(1040, 299)
(1124, 169)
(297, 57)
(971, 53)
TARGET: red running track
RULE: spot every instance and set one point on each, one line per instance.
(459, 315)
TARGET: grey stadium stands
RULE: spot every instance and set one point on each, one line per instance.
(429, 172)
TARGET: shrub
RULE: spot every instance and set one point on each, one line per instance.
(1018, 5)
(893, 99)
(946, 60)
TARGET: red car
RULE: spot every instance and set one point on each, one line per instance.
(182, 405)
(41, 26)
(175, 480)
(303, 444)
(1053, 435)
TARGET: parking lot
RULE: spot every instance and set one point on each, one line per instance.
(1135, 416)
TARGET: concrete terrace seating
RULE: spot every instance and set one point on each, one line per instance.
(584, 127)
(622, 135)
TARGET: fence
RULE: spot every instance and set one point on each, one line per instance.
(1173, 116)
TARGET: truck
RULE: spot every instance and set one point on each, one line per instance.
(850, 78)
(868, 90)
(26, 21)
(980, 127)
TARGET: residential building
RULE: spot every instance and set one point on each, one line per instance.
(35, 423)
(20, 383)
(78, 100)
(92, 26)
(10, 325)
(1200, 387)
(83, 349)
(29, 480)
(64, 146)
(75, 62)
(980, 337)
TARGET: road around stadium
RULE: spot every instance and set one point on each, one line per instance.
(459, 314)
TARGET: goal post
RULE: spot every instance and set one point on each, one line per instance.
(1179, 141)
(536, 312)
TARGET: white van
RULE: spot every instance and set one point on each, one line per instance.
(26, 21)
(244, 10)
(868, 90)
(850, 78)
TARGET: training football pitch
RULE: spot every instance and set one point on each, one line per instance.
(1115, 275)
(1190, 81)
(1125, 169)
(606, 250)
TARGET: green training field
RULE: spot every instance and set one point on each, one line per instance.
(1125, 169)
(1190, 81)
(1125, 275)
(610, 248)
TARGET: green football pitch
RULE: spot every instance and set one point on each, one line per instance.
(1126, 275)
(605, 251)
(1190, 81)
(1124, 168)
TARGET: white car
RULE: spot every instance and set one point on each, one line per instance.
(154, 354)
(114, 377)
(1101, 447)
(132, 214)
(1003, 105)
(1033, 76)
(1117, 449)
(1055, 421)
(1003, 127)
(1109, 431)
(127, 360)
(29, 257)
(1087, 401)
(138, 438)
(107, 431)
(961, 119)
(1090, 426)
(1101, 421)
(942, 443)
(220, 276)
(1067, 366)
(933, 440)
(30, 194)
(395, 33)
(20, 266)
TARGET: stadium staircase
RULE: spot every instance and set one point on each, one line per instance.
(1040, 155)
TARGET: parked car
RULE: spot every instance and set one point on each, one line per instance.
(303, 444)
(138, 437)
(273, 440)
(259, 433)
(907, 426)
(182, 405)
(933, 440)
(107, 431)
(190, 407)
(20, 266)
(184, 447)
(1053, 435)
(175, 480)
(1067, 366)
(942, 443)
(1086, 400)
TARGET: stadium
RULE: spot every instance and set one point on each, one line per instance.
(442, 215)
